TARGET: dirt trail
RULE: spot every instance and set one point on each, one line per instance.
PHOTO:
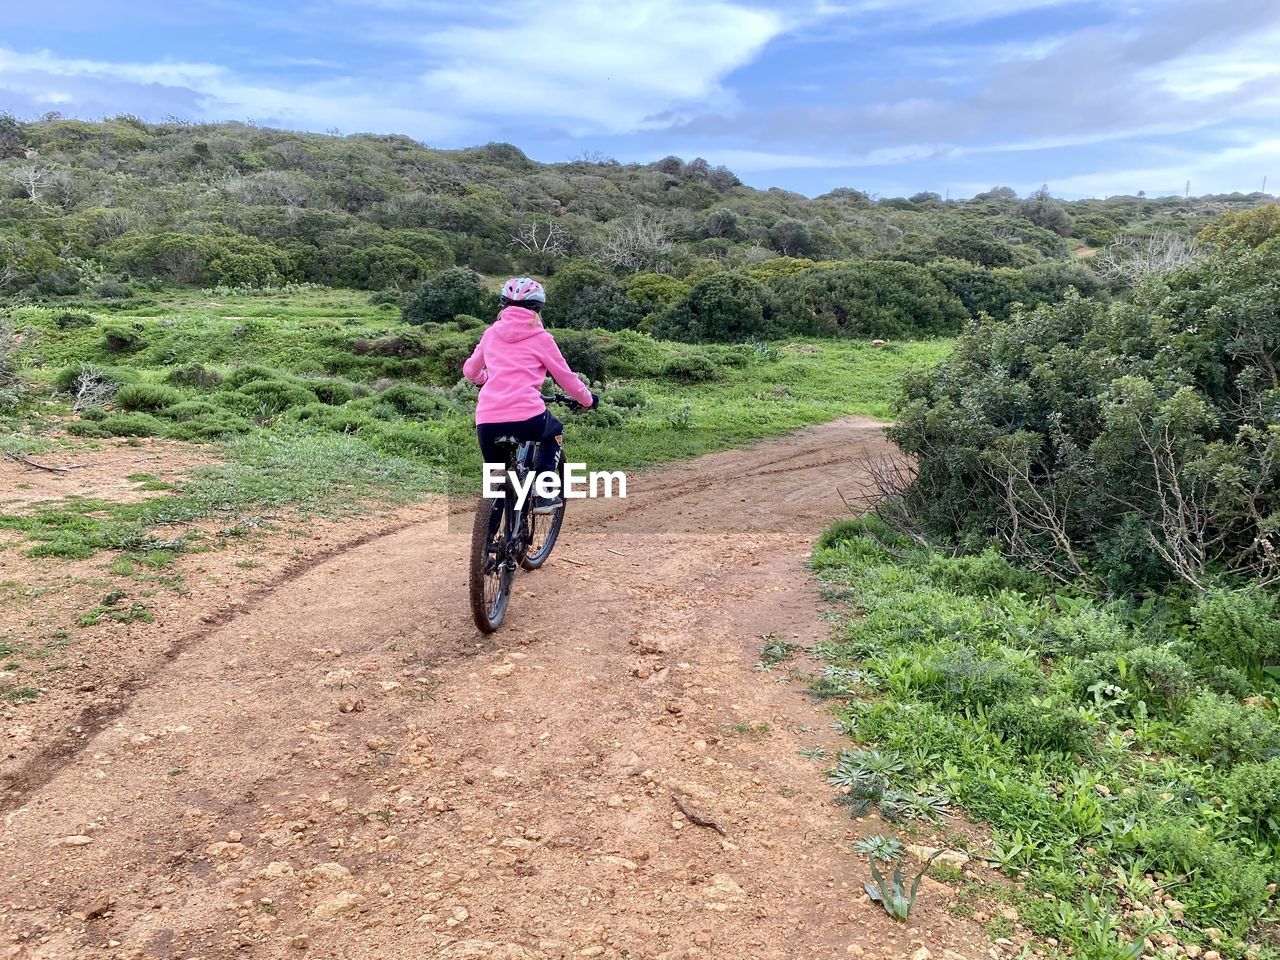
(346, 769)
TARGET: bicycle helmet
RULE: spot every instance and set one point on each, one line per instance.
(523, 292)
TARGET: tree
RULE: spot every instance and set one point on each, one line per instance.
(10, 137)
(542, 236)
(791, 237)
(634, 243)
(1130, 259)
(868, 298)
(727, 307)
(722, 222)
(1042, 210)
(672, 166)
(722, 178)
(33, 176)
(448, 294)
(655, 292)
(606, 307)
(997, 193)
(1245, 228)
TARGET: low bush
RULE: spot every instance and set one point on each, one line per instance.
(690, 368)
(1239, 627)
(1034, 726)
(583, 353)
(1254, 788)
(1223, 731)
(148, 397)
(195, 375)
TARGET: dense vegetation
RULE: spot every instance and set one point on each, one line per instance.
(100, 209)
(1120, 446)
(319, 399)
(1109, 703)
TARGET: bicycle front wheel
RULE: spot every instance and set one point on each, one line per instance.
(491, 571)
(543, 531)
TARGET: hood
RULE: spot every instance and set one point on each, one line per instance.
(516, 323)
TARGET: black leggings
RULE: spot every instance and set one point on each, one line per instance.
(543, 428)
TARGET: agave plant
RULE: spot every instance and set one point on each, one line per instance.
(880, 847)
(894, 896)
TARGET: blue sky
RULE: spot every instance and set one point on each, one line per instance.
(890, 96)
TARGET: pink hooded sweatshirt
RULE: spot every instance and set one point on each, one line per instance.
(510, 363)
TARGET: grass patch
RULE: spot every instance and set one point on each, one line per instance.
(319, 401)
(1120, 767)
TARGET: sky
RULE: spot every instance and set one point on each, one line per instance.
(888, 96)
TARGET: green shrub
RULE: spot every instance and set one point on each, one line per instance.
(1239, 627)
(689, 369)
(871, 298)
(1085, 629)
(190, 409)
(466, 322)
(123, 337)
(209, 426)
(983, 575)
(132, 425)
(447, 294)
(1062, 406)
(962, 678)
(655, 292)
(194, 375)
(629, 397)
(270, 397)
(605, 307)
(1223, 731)
(1255, 790)
(1229, 889)
(149, 397)
(726, 307)
(407, 400)
(629, 353)
(583, 353)
(567, 285)
(333, 392)
(1039, 726)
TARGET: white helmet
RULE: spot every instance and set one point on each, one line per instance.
(523, 290)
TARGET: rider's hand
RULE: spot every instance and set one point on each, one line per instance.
(595, 402)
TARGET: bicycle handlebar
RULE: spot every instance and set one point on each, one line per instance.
(569, 402)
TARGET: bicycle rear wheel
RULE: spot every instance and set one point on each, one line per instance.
(491, 571)
(543, 531)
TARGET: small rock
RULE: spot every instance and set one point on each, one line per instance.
(922, 954)
(223, 850)
(505, 670)
(622, 863)
(725, 889)
(79, 840)
(234, 836)
(336, 906)
(329, 872)
(350, 705)
(300, 942)
(98, 907)
(277, 868)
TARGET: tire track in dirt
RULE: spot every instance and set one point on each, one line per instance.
(347, 769)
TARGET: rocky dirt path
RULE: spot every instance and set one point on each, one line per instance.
(344, 768)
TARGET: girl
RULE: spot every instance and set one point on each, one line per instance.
(509, 364)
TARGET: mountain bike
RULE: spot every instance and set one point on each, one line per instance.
(505, 535)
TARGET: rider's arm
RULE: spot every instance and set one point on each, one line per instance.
(473, 369)
(554, 361)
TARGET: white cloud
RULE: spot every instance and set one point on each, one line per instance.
(595, 66)
(1223, 171)
(200, 90)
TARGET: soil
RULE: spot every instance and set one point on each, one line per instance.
(332, 762)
